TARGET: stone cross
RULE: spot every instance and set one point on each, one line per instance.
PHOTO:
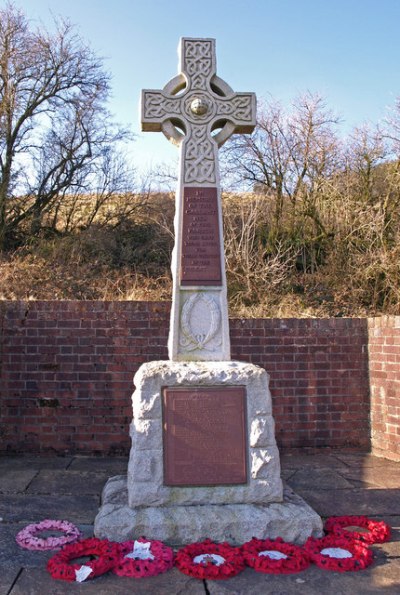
(198, 111)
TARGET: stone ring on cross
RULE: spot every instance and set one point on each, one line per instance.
(197, 94)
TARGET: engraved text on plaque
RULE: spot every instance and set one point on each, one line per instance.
(201, 249)
(204, 436)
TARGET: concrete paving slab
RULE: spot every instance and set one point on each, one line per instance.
(10, 551)
(370, 477)
(322, 477)
(329, 489)
(35, 581)
(383, 577)
(299, 460)
(287, 473)
(15, 480)
(377, 579)
(362, 484)
(8, 575)
(49, 481)
(32, 508)
(366, 460)
(14, 462)
(110, 466)
(352, 502)
(394, 522)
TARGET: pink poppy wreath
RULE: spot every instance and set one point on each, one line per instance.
(378, 531)
(274, 556)
(340, 554)
(208, 560)
(28, 537)
(143, 558)
(104, 552)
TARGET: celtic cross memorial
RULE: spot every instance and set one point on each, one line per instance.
(204, 461)
(198, 112)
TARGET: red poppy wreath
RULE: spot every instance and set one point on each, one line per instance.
(141, 558)
(105, 555)
(208, 560)
(378, 531)
(340, 554)
(274, 556)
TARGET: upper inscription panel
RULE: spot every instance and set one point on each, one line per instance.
(201, 246)
(204, 436)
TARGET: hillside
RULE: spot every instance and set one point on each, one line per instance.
(124, 254)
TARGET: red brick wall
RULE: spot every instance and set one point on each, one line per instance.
(67, 368)
(318, 377)
(384, 373)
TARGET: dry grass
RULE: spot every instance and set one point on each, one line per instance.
(123, 255)
(127, 257)
(35, 278)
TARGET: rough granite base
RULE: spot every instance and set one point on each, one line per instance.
(145, 470)
(141, 505)
(293, 519)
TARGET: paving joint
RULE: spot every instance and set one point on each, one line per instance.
(70, 463)
(15, 581)
(31, 480)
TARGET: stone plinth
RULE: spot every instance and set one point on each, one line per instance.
(141, 504)
(145, 471)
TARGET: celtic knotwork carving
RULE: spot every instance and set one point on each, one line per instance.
(200, 158)
(198, 62)
(240, 108)
(200, 322)
(158, 106)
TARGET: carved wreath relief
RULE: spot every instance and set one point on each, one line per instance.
(200, 322)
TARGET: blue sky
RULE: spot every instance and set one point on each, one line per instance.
(347, 50)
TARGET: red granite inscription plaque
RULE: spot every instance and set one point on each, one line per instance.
(201, 253)
(204, 434)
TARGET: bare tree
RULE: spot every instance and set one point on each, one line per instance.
(289, 153)
(289, 158)
(365, 152)
(251, 269)
(261, 161)
(392, 129)
(54, 124)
